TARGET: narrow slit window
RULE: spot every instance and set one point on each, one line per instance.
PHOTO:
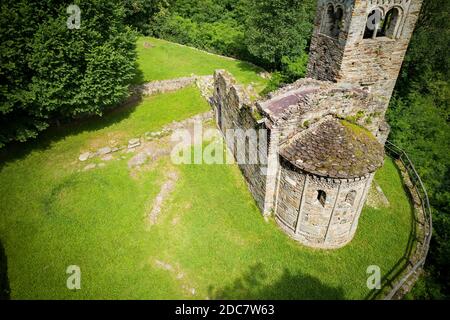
(350, 197)
(322, 197)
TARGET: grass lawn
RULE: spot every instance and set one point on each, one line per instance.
(167, 60)
(210, 240)
(210, 230)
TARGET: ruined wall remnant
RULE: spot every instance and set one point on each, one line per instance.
(234, 117)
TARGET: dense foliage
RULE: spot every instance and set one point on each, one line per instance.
(50, 72)
(273, 34)
(419, 116)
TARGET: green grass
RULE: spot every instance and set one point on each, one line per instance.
(53, 215)
(167, 60)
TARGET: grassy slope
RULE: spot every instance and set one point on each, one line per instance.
(230, 252)
(166, 60)
(52, 216)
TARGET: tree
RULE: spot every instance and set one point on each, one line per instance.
(419, 117)
(278, 29)
(49, 71)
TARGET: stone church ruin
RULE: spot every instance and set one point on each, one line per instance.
(326, 132)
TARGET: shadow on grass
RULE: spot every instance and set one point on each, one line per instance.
(253, 285)
(389, 278)
(19, 150)
(249, 67)
(4, 281)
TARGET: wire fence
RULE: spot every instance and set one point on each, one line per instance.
(423, 216)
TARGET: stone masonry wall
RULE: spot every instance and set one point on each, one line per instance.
(234, 111)
(373, 63)
(376, 62)
(301, 215)
(163, 86)
(327, 98)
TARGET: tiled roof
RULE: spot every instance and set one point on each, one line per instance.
(336, 149)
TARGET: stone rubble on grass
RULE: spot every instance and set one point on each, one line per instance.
(84, 156)
(133, 143)
(164, 265)
(89, 167)
(107, 157)
(103, 151)
(138, 160)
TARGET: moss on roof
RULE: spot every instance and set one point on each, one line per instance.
(335, 148)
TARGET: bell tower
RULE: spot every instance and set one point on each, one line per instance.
(362, 42)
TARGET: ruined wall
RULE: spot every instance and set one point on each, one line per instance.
(326, 98)
(233, 111)
(302, 216)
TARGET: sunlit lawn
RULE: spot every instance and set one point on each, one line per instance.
(210, 232)
(165, 60)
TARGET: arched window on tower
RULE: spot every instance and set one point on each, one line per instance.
(338, 22)
(322, 197)
(350, 198)
(378, 25)
(333, 21)
(328, 21)
(390, 23)
(374, 19)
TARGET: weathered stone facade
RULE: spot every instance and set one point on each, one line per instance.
(357, 54)
(233, 111)
(328, 224)
(320, 139)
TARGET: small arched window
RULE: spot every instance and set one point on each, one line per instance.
(350, 197)
(322, 197)
(333, 21)
(338, 22)
(390, 22)
(328, 21)
(379, 25)
(374, 19)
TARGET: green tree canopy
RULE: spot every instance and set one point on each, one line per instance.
(278, 29)
(49, 71)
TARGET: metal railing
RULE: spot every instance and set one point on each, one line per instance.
(427, 224)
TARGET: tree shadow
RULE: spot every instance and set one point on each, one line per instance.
(249, 67)
(19, 150)
(4, 281)
(254, 285)
(88, 123)
(389, 278)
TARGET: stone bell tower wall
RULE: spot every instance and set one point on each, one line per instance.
(372, 62)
